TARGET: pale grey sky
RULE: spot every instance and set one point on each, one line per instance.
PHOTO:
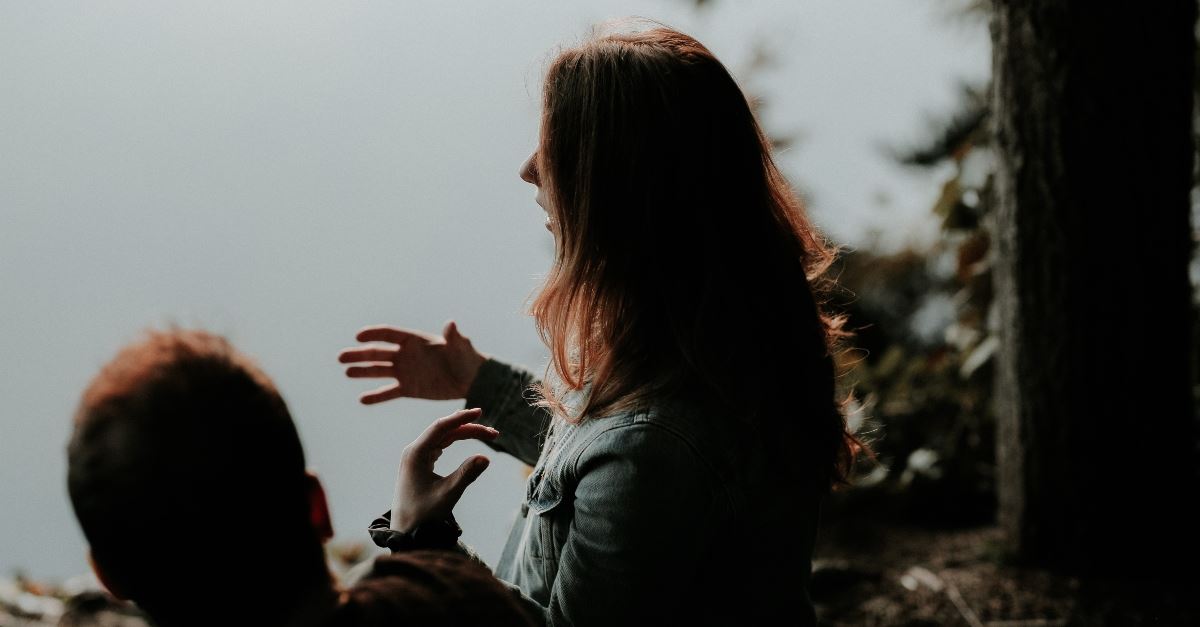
(286, 172)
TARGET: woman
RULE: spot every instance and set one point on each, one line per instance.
(688, 425)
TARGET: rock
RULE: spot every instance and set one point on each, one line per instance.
(917, 576)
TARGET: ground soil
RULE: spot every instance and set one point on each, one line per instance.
(876, 571)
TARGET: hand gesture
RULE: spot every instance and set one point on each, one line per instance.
(421, 494)
(423, 365)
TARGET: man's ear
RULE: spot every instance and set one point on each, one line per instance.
(105, 580)
(318, 508)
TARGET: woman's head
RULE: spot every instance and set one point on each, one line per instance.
(684, 262)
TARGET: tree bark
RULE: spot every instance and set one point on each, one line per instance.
(1093, 109)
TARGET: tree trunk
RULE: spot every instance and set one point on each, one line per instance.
(1096, 447)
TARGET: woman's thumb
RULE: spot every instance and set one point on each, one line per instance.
(466, 474)
(451, 332)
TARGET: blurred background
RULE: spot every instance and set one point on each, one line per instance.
(287, 172)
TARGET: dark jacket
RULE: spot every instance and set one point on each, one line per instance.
(667, 515)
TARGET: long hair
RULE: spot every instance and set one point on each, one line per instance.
(684, 262)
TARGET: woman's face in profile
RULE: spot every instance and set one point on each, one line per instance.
(529, 174)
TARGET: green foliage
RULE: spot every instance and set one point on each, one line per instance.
(924, 344)
(928, 395)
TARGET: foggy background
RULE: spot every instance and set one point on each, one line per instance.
(287, 172)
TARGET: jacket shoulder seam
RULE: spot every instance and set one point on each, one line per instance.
(633, 423)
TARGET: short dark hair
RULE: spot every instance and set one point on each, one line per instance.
(183, 458)
(430, 588)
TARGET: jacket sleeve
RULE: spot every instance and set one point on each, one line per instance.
(385, 537)
(647, 511)
(503, 392)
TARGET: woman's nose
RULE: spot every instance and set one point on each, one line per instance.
(529, 172)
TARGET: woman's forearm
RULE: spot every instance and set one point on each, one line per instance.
(504, 393)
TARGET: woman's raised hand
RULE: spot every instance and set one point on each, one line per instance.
(423, 365)
(421, 494)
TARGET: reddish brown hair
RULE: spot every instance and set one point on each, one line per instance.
(431, 589)
(684, 263)
(182, 446)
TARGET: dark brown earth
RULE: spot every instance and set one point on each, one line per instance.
(873, 569)
(879, 572)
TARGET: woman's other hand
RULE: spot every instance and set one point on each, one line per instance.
(423, 365)
(421, 494)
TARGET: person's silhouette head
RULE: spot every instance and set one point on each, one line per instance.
(187, 476)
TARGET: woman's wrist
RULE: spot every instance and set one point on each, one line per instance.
(438, 535)
(400, 523)
(405, 515)
(470, 371)
(475, 365)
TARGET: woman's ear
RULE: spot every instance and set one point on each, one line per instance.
(105, 580)
(318, 508)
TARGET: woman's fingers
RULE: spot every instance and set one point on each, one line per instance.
(442, 427)
(370, 372)
(385, 393)
(384, 333)
(469, 431)
(372, 354)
